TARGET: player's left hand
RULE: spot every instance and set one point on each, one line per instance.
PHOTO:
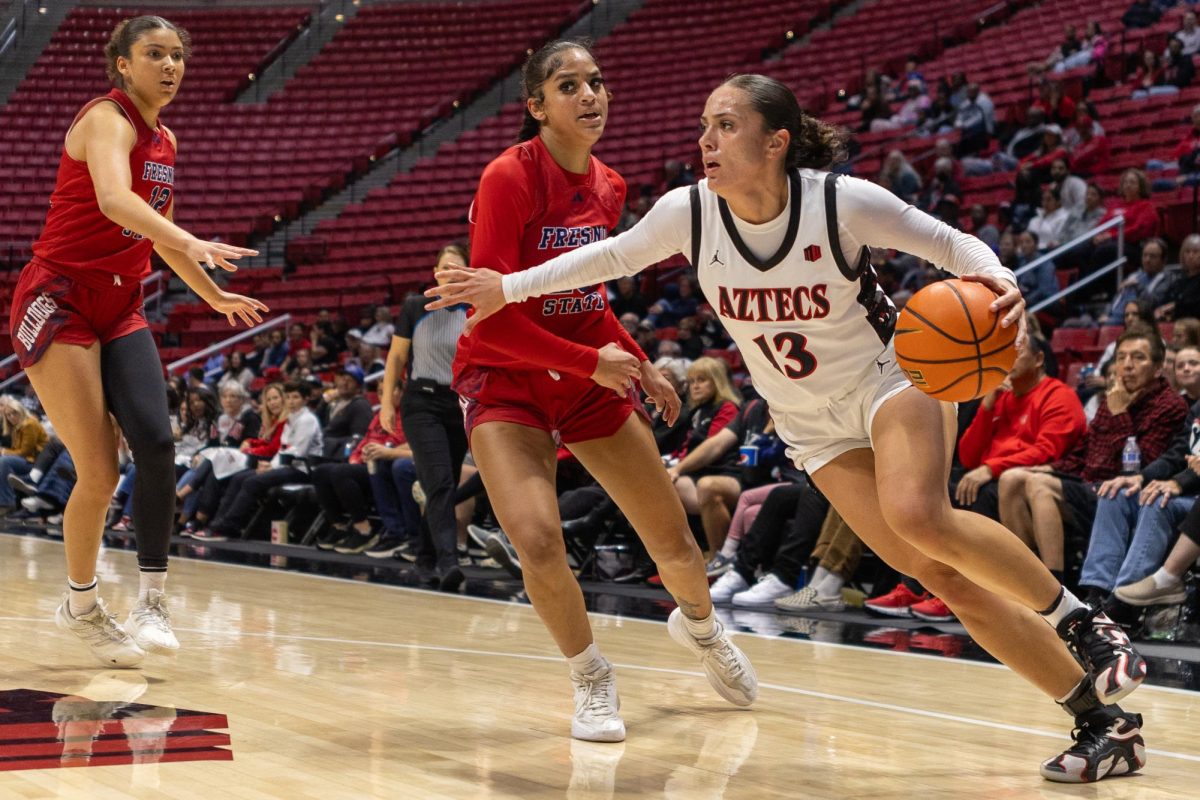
(479, 288)
(236, 306)
(661, 392)
(1010, 299)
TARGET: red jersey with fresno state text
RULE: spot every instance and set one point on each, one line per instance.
(78, 240)
(527, 210)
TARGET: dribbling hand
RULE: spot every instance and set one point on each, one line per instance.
(236, 306)
(615, 369)
(479, 288)
(216, 254)
(1010, 299)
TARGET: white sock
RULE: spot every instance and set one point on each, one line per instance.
(1062, 608)
(35, 476)
(148, 580)
(588, 661)
(729, 549)
(1163, 579)
(831, 586)
(818, 576)
(701, 629)
(82, 597)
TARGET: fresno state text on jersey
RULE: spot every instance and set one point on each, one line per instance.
(573, 302)
(557, 237)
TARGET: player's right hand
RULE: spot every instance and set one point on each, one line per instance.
(216, 254)
(480, 288)
(235, 306)
(616, 368)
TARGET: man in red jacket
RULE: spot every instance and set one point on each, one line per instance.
(1031, 419)
(1037, 503)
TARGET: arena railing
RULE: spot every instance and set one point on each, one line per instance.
(232, 340)
(1117, 264)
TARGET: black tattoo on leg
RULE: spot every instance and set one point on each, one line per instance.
(688, 608)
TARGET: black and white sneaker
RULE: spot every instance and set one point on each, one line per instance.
(355, 542)
(384, 548)
(1106, 743)
(477, 536)
(21, 485)
(1104, 650)
(330, 537)
(502, 550)
(407, 551)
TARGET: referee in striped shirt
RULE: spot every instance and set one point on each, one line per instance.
(423, 348)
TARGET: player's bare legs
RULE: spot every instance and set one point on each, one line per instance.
(911, 441)
(1010, 632)
(518, 466)
(628, 466)
(81, 420)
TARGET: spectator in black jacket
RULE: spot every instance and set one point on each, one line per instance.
(349, 414)
(1142, 14)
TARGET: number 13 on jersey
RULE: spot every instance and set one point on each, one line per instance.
(790, 348)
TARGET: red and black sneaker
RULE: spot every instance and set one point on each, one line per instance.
(1104, 650)
(896, 603)
(1106, 743)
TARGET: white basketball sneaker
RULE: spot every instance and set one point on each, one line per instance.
(727, 586)
(727, 668)
(596, 707)
(149, 624)
(103, 635)
(762, 594)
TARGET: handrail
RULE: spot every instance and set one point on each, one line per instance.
(374, 377)
(1116, 264)
(1116, 222)
(221, 345)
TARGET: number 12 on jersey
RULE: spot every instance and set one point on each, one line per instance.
(791, 348)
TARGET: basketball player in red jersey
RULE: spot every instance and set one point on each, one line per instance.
(79, 332)
(563, 366)
(781, 248)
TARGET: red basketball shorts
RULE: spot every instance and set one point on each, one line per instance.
(577, 409)
(48, 307)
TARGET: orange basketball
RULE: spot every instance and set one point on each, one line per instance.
(950, 344)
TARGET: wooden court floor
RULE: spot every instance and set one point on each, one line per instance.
(339, 689)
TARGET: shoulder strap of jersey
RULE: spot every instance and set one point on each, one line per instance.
(694, 196)
(835, 239)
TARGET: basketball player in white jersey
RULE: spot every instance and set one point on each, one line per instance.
(780, 247)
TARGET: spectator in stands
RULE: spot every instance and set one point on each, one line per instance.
(635, 208)
(1136, 519)
(195, 379)
(940, 185)
(1090, 155)
(1048, 151)
(1142, 14)
(1041, 282)
(690, 345)
(297, 338)
(676, 174)
(1149, 79)
(1185, 333)
(939, 116)
(1072, 190)
(1169, 368)
(1186, 370)
(1141, 217)
(645, 337)
(669, 438)
(898, 177)
(874, 106)
(1069, 47)
(369, 358)
(721, 474)
(714, 403)
(1083, 220)
(1006, 249)
(1189, 35)
(984, 230)
(1055, 104)
(915, 103)
(197, 426)
(1165, 585)
(237, 423)
(1027, 138)
(236, 370)
(1092, 50)
(1187, 293)
(26, 439)
(1154, 283)
(1186, 154)
(975, 119)
(277, 349)
(344, 491)
(1178, 69)
(300, 441)
(258, 350)
(380, 332)
(349, 414)
(1050, 221)
(298, 365)
(629, 300)
(1036, 502)
(1030, 419)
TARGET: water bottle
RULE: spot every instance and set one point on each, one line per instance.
(1131, 457)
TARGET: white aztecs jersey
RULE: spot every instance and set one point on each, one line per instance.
(808, 320)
